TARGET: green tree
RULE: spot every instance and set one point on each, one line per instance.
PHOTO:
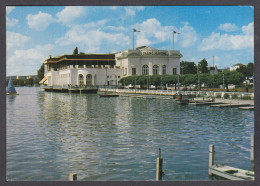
(75, 52)
(232, 77)
(203, 66)
(188, 67)
(250, 67)
(40, 73)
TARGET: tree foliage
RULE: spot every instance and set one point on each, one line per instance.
(188, 67)
(203, 66)
(40, 72)
(75, 52)
(209, 80)
(246, 70)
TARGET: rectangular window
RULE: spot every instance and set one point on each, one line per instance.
(174, 71)
(133, 71)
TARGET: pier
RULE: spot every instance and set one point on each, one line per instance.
(228, 172)
(70, 89)
(230, 105)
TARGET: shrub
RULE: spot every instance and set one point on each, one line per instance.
(226, 96)
(246, 97)
(218, 96)
(234, 96)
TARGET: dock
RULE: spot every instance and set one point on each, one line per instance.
(231, 173)
(228, 172)
(231, 105)
(70, 90)
(108, 95)
(246, 108)
(204, 103)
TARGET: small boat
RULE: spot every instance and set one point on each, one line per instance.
(108, 95)
(180, 100)
(179, 97)
(10, 89)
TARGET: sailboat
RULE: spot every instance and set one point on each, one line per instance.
(10, 89)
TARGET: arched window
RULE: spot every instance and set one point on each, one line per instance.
(155, 69)
(164, 69)
(81, 79)
(145, 70)
(89, 80)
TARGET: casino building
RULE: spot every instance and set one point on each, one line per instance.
(107, 69)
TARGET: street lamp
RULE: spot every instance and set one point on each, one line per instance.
(134, 30)
(198, 77)
(223, 86)
(174, 32)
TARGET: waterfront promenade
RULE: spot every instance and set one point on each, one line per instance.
(173, 92)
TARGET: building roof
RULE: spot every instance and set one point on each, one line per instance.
(147, 51)
(81, 57)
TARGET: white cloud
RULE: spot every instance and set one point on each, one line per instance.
(9, 9)
(216, 41)
(117, 28)
(11, 22)
(188, 35)
(39, 21)
(15, 39)
(248, 29)
(228, 27)
(113, 7)
(27, 61)
(131, 10)
(69, 14)
(93, 37)
(152, 32)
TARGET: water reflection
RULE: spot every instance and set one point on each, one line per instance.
(118, 138)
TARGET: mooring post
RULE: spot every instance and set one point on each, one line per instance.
(72, 177)
(211, 157)
(159, 164)
(252, 148)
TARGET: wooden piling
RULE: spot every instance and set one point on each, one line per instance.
(72, 177)
(211, 157)
(252, 148)
(159, 164)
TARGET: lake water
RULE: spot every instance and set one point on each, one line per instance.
(50, 135)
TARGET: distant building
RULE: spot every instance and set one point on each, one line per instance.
(235, 67)
(213, 70)
(22, 77)
(108, 69)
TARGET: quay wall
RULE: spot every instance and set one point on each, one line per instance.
(172, 92)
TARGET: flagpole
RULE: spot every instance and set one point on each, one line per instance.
(173, 41)
(134, 30)
(133, 39)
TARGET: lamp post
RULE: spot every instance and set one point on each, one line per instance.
(134, 30)
(223, 86)
(174, 32)
(147, 83)
(161, 83)
(198, 77)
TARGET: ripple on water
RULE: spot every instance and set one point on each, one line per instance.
(50, 135)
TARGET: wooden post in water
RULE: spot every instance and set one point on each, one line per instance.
(159, 164)
(72, 177)
(211, 157)
(252, 148)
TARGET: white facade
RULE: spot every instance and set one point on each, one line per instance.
(84, 76)
(149, 61)
(142, 61)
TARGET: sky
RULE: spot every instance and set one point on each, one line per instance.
(33, 33)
